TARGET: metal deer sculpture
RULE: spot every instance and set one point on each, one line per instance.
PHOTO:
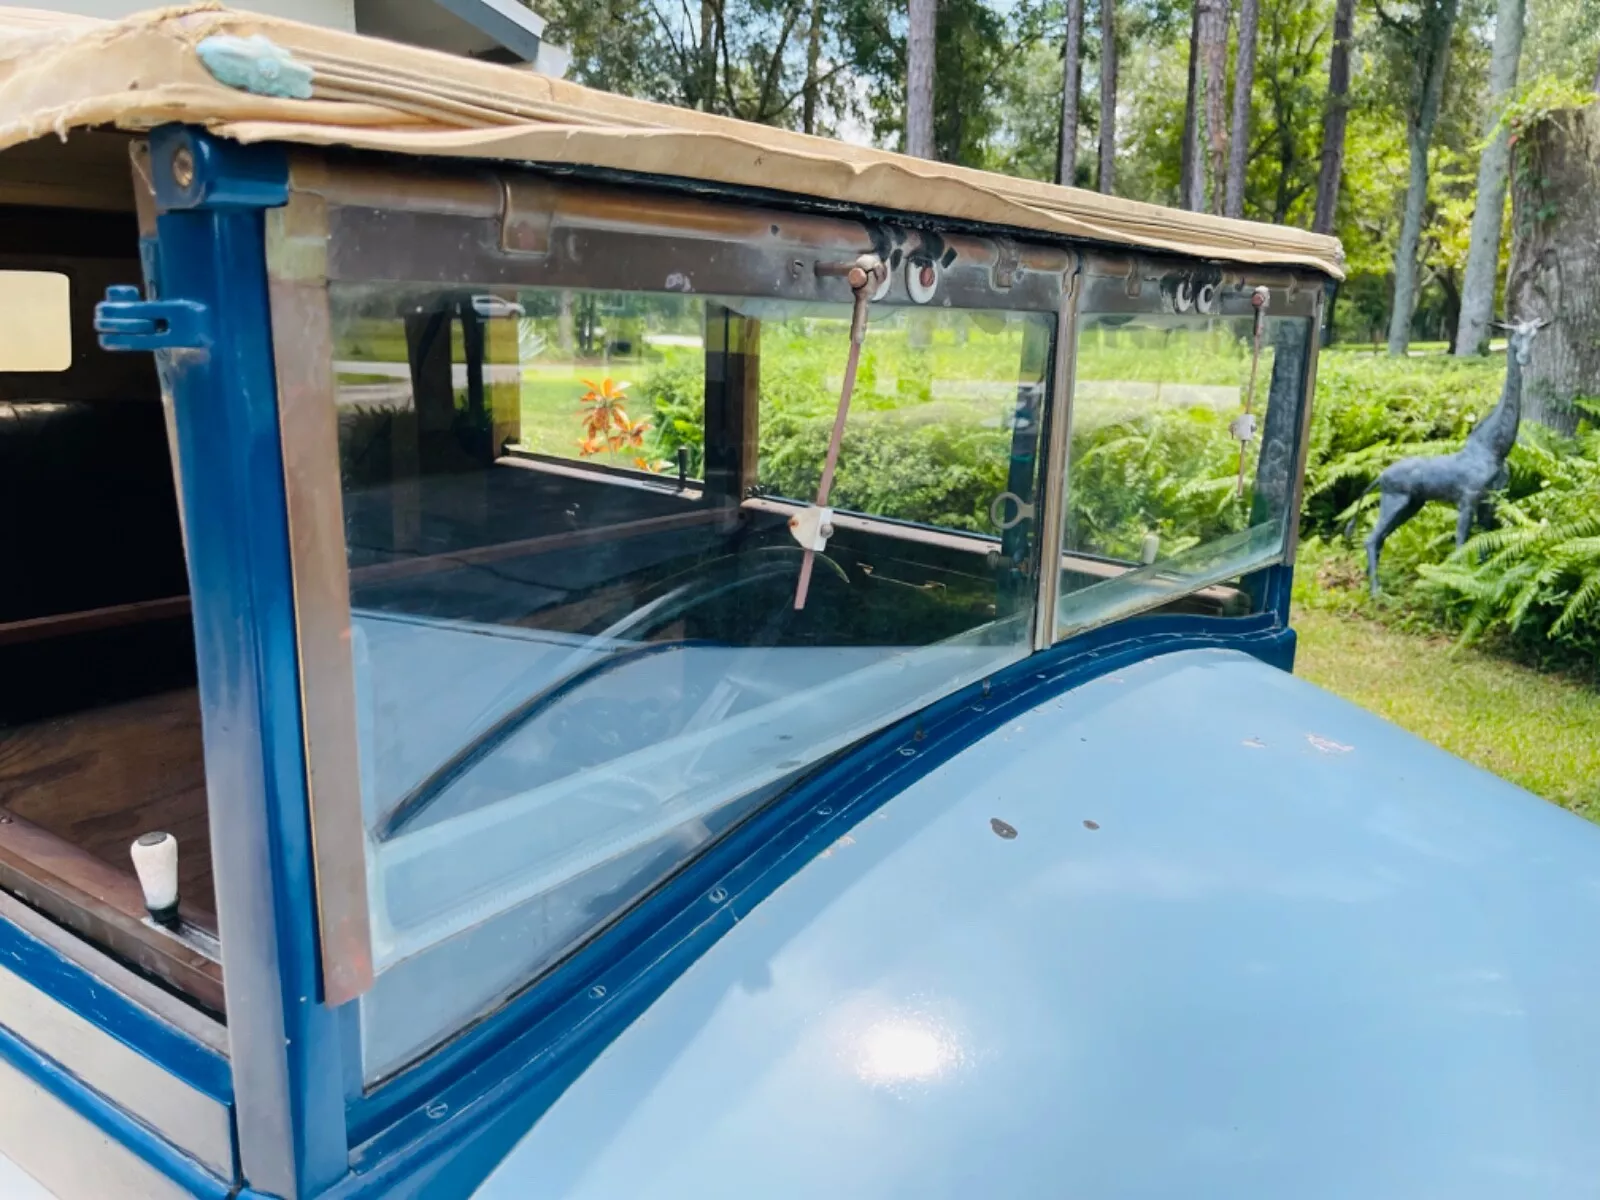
(1463, 478)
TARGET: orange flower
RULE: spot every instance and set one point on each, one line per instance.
(606, 424)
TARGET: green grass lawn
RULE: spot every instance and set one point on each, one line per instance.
(1538, 730)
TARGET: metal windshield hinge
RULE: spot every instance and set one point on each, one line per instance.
(126, 321)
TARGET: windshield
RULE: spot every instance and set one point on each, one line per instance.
(580, 648)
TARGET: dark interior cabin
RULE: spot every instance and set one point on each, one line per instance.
(99, 718)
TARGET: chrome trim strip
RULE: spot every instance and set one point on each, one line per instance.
(308, 424)
(1053, 515)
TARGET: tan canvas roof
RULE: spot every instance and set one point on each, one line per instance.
(59, 73)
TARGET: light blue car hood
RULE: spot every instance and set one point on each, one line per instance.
(1248, 941)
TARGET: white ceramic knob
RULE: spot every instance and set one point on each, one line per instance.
(155, 861)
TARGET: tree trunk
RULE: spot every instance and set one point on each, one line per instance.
(1214, 65)
(1334, 117)
(1244, 82)
(1437, 23)
(1108, 96)
(1555, 262)
(1483, 253)
(919, 79)
(808, 110)
(1071, 66)
(1191, 183)
(708, 55)
(564, 337)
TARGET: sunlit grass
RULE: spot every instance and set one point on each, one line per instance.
(1540, 731)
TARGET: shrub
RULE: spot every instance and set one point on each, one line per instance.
(1172, 472)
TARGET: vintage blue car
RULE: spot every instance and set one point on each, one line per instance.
(554, 647)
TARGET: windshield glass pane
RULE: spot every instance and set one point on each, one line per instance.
(1179, 472)
(579, 654)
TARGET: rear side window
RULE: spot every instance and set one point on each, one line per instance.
(35, 321)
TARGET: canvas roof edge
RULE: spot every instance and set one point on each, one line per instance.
(59, 73)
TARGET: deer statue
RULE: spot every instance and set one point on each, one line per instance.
(1463, 478)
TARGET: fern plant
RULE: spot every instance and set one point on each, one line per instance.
(1539, 572)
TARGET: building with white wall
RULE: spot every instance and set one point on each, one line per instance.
(503, 31)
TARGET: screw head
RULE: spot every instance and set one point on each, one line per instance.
(183, 167)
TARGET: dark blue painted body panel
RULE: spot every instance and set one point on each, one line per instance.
(129, 1022)
(1300, 953)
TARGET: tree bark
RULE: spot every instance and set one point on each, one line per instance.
(1214, 65)
(1432, 44)
(1191, 183)
(1334, 117)
(1108, 96)
(1071, 66)
(808, 110)
(708, 55)
(1483, 252)
(919, 79)
(1555, 262)
(1244, 82)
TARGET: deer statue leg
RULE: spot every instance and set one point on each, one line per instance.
(1464, 515)
(1394, 510)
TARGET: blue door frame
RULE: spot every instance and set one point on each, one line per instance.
(216, 359)
(303, 1127)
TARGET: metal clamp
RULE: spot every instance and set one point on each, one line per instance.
(997, 509)
(812, 526)
(126, 321)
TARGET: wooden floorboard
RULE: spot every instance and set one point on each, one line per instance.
(99, 779)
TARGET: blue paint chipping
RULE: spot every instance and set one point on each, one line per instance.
(112, 1119)
(70, 985)
(256, 64)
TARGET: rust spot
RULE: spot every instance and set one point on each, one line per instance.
(1002, 829)
(1088, 824)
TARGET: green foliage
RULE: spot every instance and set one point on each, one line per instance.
(1539, 572)
(892, 465)
(1535, 102)
(675, 393)
(1171, 472)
